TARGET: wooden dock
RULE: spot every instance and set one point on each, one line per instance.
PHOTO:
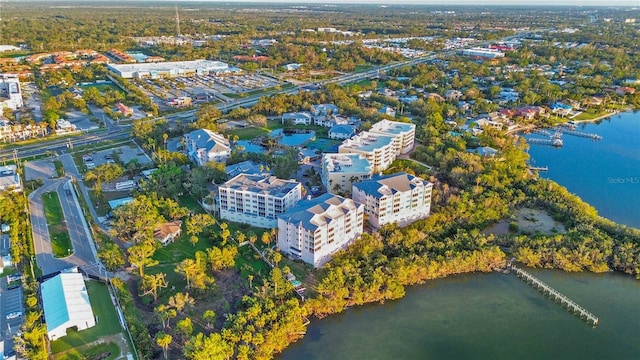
(579, 133)
(555, 295)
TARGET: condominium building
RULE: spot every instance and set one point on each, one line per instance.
(10, 93)
(317, 228)
(379, 149)
(340, 171)
(403, 133)
(401, 198)
(205, 145)
(257, 199)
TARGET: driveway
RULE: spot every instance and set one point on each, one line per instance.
(84, 250)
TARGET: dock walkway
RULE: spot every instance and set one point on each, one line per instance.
(555, 295)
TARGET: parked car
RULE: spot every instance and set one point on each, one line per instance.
(13, 315)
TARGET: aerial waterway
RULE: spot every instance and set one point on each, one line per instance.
(485, 316)
(493, 316)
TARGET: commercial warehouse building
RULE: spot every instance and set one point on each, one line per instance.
(171, 69)
(66, 304)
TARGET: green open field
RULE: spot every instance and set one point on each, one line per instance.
(60, 240)
(590, 114)
(91, 352)
(106, 320)
(102, 87)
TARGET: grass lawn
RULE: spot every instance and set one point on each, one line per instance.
(106, 320)
(190, 203)
(248, 133)
(249, 263)
(59, 168)
(60, 240)
(181, 249)
(91, 352)
(103, 87)
(101, 201)
(590, 114)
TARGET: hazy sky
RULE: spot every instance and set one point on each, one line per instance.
(452, 2)
(423, 2)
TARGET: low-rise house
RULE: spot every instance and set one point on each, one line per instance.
(297, 118)
(124, 109)
(64, 126)
(325, 109)
(205, 145)
(256, 199)
(453, 94)
(316, 228)
(166, 233)
(340, 171)
(9, 179)
(387, 110)
(341, 131)
(401, 198)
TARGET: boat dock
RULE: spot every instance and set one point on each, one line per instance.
(550, 142)
(554, 294)
(569, 131)
(539, 168)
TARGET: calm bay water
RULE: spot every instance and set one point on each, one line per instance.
(495, 316)
(604, 173)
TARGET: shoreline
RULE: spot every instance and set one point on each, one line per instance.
(615, 112)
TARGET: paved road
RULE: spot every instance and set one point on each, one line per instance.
(84, 251)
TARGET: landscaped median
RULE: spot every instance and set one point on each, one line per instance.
(60, 240)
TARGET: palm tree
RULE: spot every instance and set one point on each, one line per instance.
(164, 340)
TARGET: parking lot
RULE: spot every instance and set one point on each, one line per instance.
(10, 306)
(123, 154)
(207, 87)
(40, 169)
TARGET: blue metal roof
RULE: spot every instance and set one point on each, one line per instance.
(55, 305)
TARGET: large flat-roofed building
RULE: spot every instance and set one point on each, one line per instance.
(204, 145)
(9, 179)
(404, 133)
(317, 228)
(340, 171)
(257, 199)
(379, 149)
(66, 304)
(401, 198)
(10, 92)
(171, 69)
(485, 53)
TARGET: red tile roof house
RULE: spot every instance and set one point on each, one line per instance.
(167, 232)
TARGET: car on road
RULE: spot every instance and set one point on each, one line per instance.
(13, 315)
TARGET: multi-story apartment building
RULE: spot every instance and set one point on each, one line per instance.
(205, 145)
(401, 198)
(317, 228)
(257, 199)
(403, 133)
(10, 93)
(340, 171)
(379, 149)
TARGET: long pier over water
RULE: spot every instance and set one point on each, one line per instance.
(555, 295)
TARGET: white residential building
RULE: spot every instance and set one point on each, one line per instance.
(379, 149)
(205, 145)
(9, 179)
(257, 199)
(340, 171)
(10, 93)
(325, 109)
(401, 198)
(317, 228)
(404, 133)
(297, 118)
